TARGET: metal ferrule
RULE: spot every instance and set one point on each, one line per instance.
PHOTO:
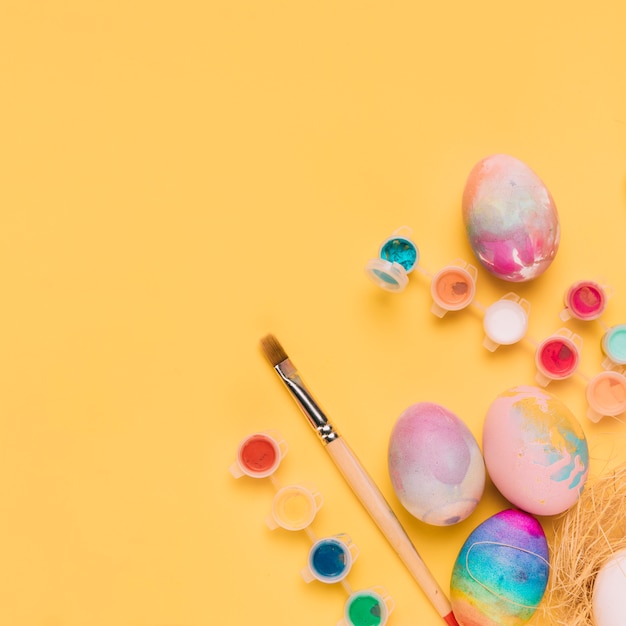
(289, 375)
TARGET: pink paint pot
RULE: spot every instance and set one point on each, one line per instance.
(453, 287)
(558, 356)
(585, 300)
(259, 455)
(606, 395)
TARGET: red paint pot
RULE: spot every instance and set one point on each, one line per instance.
(557, 357)
(259, 455)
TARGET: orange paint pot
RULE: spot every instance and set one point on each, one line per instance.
(606, 395)
(453, 287)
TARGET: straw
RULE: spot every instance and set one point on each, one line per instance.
(584, 538)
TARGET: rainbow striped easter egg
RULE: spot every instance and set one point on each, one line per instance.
(501, 572)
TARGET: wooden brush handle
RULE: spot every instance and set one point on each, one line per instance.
(380, 511)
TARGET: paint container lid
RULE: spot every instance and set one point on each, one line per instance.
(330, 559)
(585, 300)
(397, 257)
(614, 344)
(557, 357)
(259, 454)
(505, 321)
(453, 287)
(606, 395)
(388, 276)
(367, 607)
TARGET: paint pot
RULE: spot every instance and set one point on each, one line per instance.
(294, 507)
(614, 345)
(606, 395)
(397, 257)
(557, 357)
(330, 559)
(453, 287)
(367, 607)
(259, 455)
(585, 300)
(505, 321)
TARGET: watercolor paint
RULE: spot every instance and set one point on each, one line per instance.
(259, 455)
(397, 257)
(585, 300)
(366, 608)
(453, 288)
(606, 395)
(505, 322)
(614, 344)
(400, 250)
(294, 507)
(330, 559)
(557, 357)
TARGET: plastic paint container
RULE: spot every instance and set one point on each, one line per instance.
(614, 344)
(330, 559)
(505, 321)
(453, 287)
(399, 250)
(294, 507)
(368, 607)
(259, 455)
(584, 300)
(606, 395)
(558, 356)
(397, 257)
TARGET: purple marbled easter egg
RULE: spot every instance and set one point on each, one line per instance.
(435, 464)
(510, 218)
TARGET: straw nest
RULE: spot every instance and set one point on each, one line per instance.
(583, 539)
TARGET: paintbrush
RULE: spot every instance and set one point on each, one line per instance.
(356, 476)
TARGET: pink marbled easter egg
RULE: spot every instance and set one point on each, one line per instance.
(435, 465)
(535, 450)
(510, 218)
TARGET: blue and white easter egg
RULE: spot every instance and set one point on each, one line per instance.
(535, 450)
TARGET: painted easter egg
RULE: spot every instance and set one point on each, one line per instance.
(436, 467)
(510, 218)
(501, 572)
(535, 450)
(609, 592)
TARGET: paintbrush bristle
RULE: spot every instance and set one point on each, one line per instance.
(273, 350)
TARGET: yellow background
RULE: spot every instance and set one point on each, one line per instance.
(179, 178)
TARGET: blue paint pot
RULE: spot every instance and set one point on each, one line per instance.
(330, 559)
(614, 344)
(397, 256)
